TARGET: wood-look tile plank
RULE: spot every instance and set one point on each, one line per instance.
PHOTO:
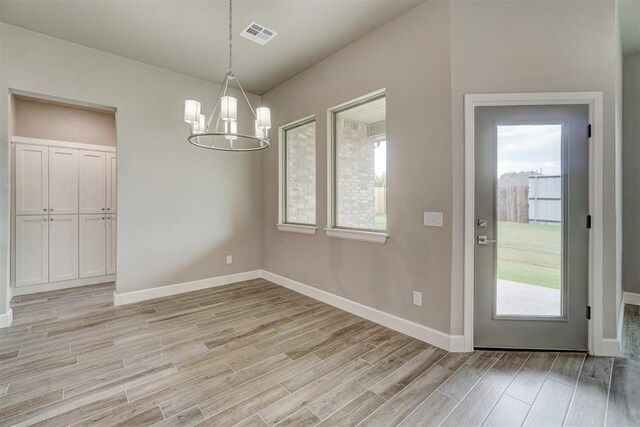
(509, 411)
(479, 402)
(403, 376)
(469, 374)
(149, 417)
(567, 367)
(253, 421)
(550, 408)
(431, 412)
(188, 417)
(590, 396)
(526, 385)
(302, 418)
(355, 411)
(248, 407)
(624, 395)
(286, 407)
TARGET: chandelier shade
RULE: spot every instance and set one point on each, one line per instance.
(220, 130)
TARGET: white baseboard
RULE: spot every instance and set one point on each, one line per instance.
(55, 286)
(610, 347)
(6, 319)
(453, 343)
(179, 288)
(630, 298)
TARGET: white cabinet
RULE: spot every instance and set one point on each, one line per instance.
(111, 243)
(32, 244)
(32, 180)
(92, 181)
(92, 245)
(63, 247)
(63, 180)
(65, 205)
(111, 183)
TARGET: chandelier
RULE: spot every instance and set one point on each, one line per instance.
(224, 135)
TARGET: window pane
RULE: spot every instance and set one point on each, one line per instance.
(361, 166)
(529, 209)
(300, 142)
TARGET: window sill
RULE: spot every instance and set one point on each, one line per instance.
(300, 229)
(359, 236)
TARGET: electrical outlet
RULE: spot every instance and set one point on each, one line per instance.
(229, 259)
(417, 298)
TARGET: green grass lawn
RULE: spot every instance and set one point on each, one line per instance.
(381, 221)
(530, 253)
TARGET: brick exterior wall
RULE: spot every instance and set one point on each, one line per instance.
(301, 174)
(355, 175)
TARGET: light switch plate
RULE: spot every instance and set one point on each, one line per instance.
(229, 259)
(433, 219)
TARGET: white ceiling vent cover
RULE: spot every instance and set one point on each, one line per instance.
(258, 33)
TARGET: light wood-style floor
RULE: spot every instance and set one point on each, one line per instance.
(256, 354)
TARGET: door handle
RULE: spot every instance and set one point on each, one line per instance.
(483, 240)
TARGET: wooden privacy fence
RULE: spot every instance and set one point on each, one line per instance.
(540, 201)
(513, 203)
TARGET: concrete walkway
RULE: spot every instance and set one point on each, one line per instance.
(523, 299)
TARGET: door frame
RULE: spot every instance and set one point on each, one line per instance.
(595, 104)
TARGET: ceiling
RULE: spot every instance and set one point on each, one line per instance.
(190, 36)
(630, 25)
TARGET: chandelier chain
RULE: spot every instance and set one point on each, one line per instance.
(230, 34)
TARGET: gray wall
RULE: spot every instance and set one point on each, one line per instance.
(47, 120)
(631, 173)
(410, 58)
(535, 46)
(181, 209)
(428, 59)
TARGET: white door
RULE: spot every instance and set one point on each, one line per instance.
(32, 245)
(111, 183)
(63, 180)
(92, 245)
(111, 244)
(92, 181)
(63, 247)
(32, 180)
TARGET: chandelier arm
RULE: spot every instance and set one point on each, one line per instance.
(224, 83)
(247, 99)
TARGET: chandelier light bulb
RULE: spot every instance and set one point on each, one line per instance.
(259, 132)
(191, 111)
(231, 130)
(264, 118)
(229, 108)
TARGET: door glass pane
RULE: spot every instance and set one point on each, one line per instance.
(529, 221)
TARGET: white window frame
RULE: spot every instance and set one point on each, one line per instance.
(368, 236)
(282, 225)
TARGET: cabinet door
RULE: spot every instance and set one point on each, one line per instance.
(92, 181)
(92, 245)
(111, 244)
(32, 180)
(32, 245)
(63, 247)
(63, 180)
(111, 183)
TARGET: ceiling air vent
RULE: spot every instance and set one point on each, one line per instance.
(258, 33)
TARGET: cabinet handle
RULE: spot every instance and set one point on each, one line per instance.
(102, 218)
(44, 210)
(51, 219)
(44, 219)
(51, 210)
(102, 208)
(108, 209)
